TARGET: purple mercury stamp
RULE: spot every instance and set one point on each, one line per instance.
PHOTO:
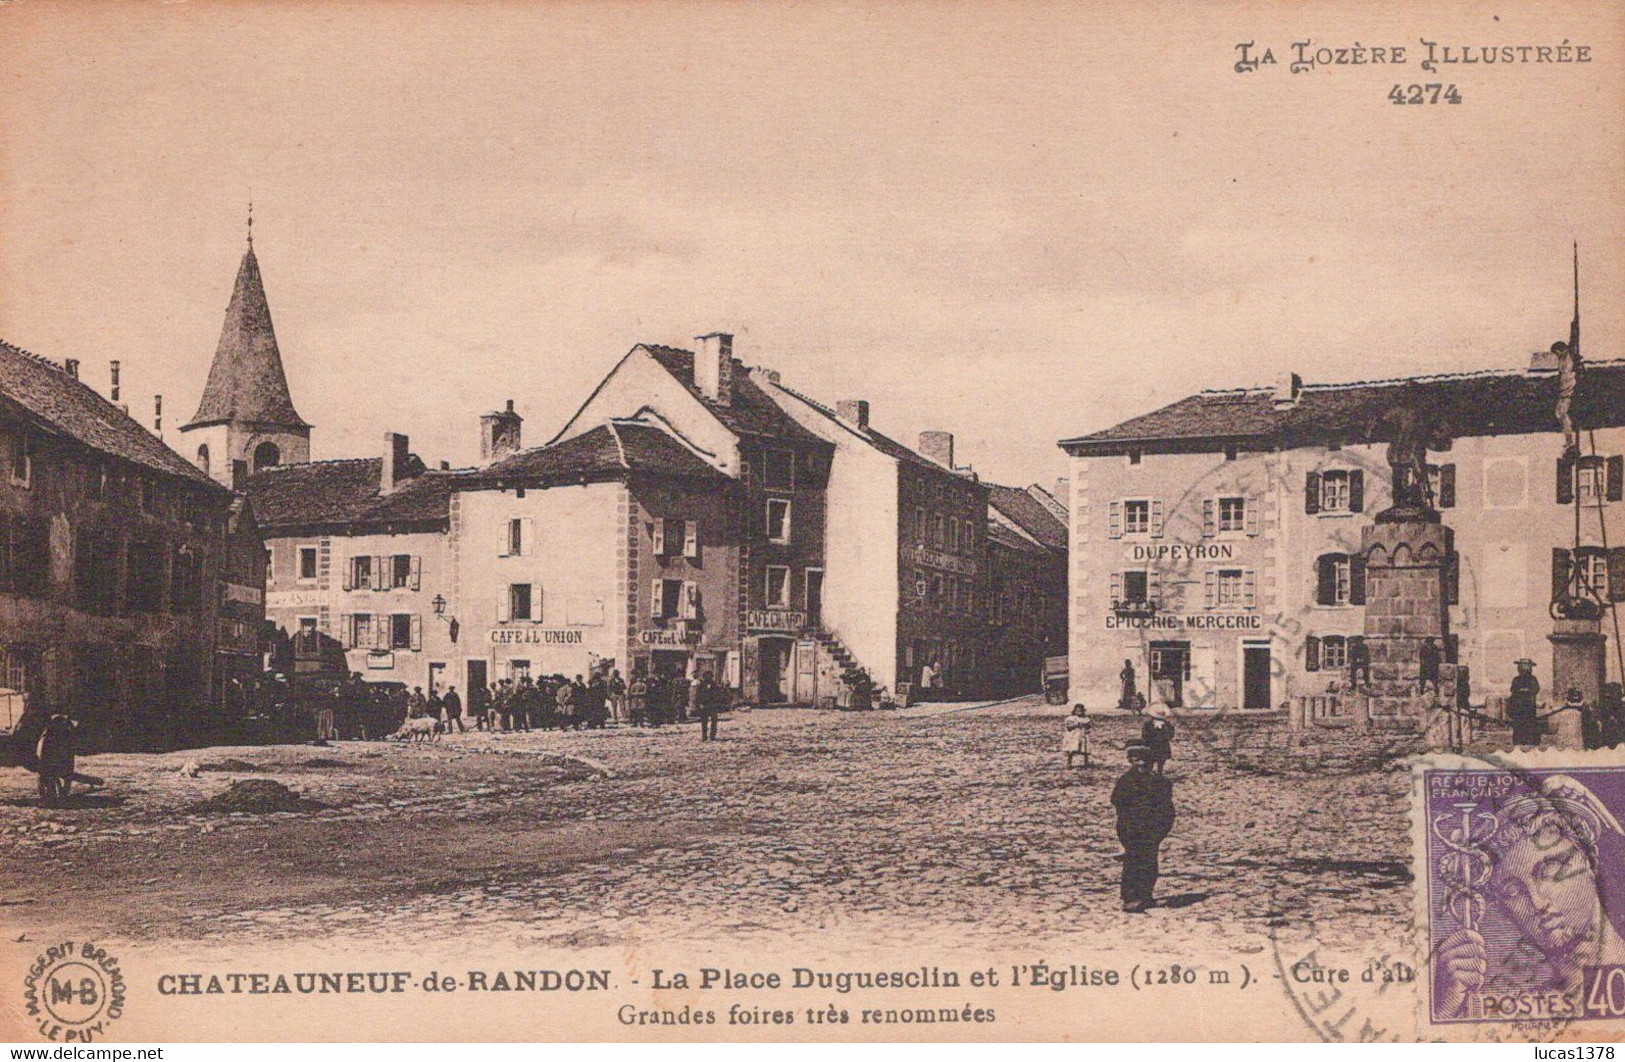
(1525, 893)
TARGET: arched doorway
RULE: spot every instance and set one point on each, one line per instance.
(266, 455)
(203, 458)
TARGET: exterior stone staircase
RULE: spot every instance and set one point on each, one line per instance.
(842, 664)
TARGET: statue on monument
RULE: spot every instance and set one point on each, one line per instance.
(1410, 436)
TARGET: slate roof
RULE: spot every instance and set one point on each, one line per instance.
(1466, 404)
(609, 451)
(750, 413)
(342, 497)
(246, 380)
(42, 393)
(1028, 513)
(998, 534)
(884, 443)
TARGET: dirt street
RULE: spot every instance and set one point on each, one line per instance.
(913, 826)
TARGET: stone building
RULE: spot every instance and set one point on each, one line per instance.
(123, 596)
(906, 541)
(1216, 542)
(357, 550)
(721, 412)
(1025, 612)
(616, 547)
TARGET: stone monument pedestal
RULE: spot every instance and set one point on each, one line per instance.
(1579, 662)
(1406, 560)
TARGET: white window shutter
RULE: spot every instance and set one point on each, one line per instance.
(691, 599)
(346, 630)
(1156, 517)
(1210, 517)
(1251, 504)
(380, 631)
(504, 539)
(417, 572)
(1117, 586)
(660, 540)
(417, 632)
(536, 602)
(504, 604)
(349, 573)
(1114, 519)
(691, 538)
(1249, 589)
(527, 536)
(378, 573)
(1210, 586)
(657, 594)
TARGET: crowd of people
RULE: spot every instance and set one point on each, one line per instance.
(557, 702)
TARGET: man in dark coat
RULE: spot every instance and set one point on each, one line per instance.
(1126, 700)
(597, 701)
(1359, 664)
(454, 710)
(1429, 658)
(708, 706)
(1144, 802)
(1521, 712)
(1613, 714)
(53, 757)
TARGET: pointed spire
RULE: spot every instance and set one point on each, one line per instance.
(246, 380)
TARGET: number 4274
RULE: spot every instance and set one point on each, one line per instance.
(1430, 93)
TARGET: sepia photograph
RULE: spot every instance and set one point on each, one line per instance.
(583, 520)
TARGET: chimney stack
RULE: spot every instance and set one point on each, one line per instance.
(499, 434)
(72, 367)
(1287, 388)
(395, 456)
(113, 368)
(855, 411)
(938, 446)
(714, 367)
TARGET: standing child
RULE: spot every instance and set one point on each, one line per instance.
(1075, 736)
(1158, 737)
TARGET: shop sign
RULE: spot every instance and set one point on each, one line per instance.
(535, 636)
(945, 561)
(295, 599)
(767, 619)
(1168, 621)
(244, 595)
(676, 638)
(380, 661)
(1171, 552)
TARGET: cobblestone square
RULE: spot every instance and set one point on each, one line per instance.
(937, 824)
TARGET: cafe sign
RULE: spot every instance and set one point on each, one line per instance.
(767, 619)
(535, 636)
(672, 638)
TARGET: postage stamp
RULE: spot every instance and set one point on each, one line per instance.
(1521, 884)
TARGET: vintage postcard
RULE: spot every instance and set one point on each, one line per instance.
(915, 521)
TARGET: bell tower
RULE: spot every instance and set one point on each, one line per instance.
(246, 421)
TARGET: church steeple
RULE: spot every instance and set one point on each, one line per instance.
(247, 390)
